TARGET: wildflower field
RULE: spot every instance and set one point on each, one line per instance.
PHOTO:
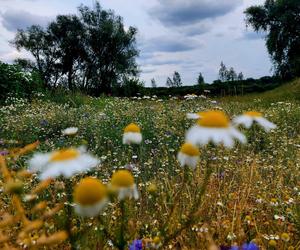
(147, 173)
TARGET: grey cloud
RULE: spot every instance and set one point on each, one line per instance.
(194, 30)
(169, 44)
(18, 19)
(184, 12)
(251, 35)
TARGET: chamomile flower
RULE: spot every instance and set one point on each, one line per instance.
(132, 134)
(188, 155)
(214, 126)
(90, 197)
(248, 118)
(122, 182)
(70, 131)
(65, 162)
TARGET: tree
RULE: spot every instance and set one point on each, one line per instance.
(40, 44)
(153, 83)
(280, 19)
(231, 75)
(223, 72)
(240, 76)
(200, 79)
(91, 50)
(169, 82)
(177, 79)
(111, 50)
(67, 33)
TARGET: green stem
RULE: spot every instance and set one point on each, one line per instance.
(122, 242)
(68, 222)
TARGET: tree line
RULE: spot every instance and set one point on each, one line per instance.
(91, 51)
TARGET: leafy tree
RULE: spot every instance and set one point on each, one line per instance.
(153, 83)
(200, 79)
(169, 82)
(231, 75)
(67, 33)
(240, 76)
(41, 45)
(177, 79)
(92, 50)
(223, 72)
(280, 19)
(111, 50)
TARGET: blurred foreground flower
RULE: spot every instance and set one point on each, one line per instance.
(136, 245)
(248, 118)
(132, 134)
(250, 246)
(188, 155)
(122, 182)
(214, 126)
(65, 162)
(70, 131)
(90, 197)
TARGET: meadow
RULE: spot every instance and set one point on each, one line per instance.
(248, 193)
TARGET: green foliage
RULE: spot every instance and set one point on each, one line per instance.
(177, 79)
(15, 81)
(91, 51)
(280, 20)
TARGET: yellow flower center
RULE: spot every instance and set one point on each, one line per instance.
(189, 149)
(253, 113)
(122, 179)
(133, 128)
(64, 155)
(89, 191)
(214, 119)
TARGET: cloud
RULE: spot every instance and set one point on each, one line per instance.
(186, 12)
(13, 20)
(169, 44)
(252, 35)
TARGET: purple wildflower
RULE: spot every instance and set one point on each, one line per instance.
(250, 246)
(136, 245)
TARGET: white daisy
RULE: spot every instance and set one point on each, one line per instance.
(188, 155)
(122, 182)
(90, 197)
(248, 118)
(214, 126)
(70, 131)
(132, 134)
(65, 162)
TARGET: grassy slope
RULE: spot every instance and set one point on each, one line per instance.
(289, 91)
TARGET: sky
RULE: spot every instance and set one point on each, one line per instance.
(188, 36)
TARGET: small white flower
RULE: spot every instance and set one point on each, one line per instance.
(132, 134)
(90, 197)
(188, 155)
(122, 182)
(215, 127)
(65, 162)
(248, 118)
(70, 131)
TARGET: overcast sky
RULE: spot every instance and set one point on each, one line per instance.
(189, 36)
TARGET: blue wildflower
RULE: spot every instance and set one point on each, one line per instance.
(136, 245)
(250, 246)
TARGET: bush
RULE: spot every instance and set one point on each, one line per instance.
(17, 82)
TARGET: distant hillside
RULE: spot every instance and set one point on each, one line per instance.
(285, 92)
